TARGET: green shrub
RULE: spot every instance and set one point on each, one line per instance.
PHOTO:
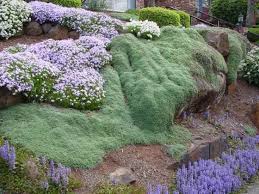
(133, 11)
(68, 3)
(249, 69)
(229, 10)
(184, 19)
(162, 16)
(124, 16)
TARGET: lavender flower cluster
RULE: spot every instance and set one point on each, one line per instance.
(7, 153)
(56, 173)
(62, 72)
(159, 189)
(224, 176)
(59, 174)
(86, 22)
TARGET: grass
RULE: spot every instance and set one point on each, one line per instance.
(148, 83)
(254, 30)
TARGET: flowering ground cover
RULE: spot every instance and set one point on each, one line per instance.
(61, 72)
(86, 22)
(12, 16)
(224, 176)
(145, 116)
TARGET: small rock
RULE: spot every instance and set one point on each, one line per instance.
(33, 29)
(58, 32)
(122, 176)
(73, 34)
(46, 27)
(32, 170)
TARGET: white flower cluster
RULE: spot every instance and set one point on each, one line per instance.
(144, 29)
(13, 13)
(249, 68)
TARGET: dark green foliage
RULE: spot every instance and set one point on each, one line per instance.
(162, 16)
(68, 3)
(185, 19)
(229, 10)
(239, 47)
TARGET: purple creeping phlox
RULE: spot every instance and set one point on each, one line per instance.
(7, 153)
(63, 72)
(85, 22)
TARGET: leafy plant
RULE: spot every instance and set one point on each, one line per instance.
(249, 68)
(145, 29)
(13, 13)
(229, 10)
(184, 19)
(162, 16)
(68, 3)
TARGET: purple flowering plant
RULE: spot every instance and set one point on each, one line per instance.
(63, 72)
(85, 22)
(7, 153)
(223, 176)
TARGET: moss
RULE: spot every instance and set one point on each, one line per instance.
(239, 46)
(157, 76)
(176, 151)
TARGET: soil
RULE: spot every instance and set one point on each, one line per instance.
(151, 164)
(24, 39)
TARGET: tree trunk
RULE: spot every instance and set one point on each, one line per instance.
(250, 17)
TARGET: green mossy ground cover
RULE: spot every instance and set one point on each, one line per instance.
(148, 83)
(80, 139)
